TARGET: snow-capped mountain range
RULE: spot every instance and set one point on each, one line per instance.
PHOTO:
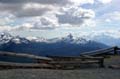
(102, 38)
(57, 46)
(6, 37)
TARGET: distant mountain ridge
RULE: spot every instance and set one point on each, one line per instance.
(58, 46)
(107, 39)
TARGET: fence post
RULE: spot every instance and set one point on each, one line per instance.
(101, 63)
(115, 50)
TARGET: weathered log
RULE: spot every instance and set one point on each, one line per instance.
(24, 55)
(7, 65)
(101, 51)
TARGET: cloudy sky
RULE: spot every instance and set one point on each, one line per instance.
(56, 18)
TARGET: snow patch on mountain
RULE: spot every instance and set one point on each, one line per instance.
(6, 37)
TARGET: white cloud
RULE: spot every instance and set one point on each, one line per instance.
(5, 28)
(110, 17)
(51, 14)
(58, 2)
(6, 19)
(90, 23)
(75, 16)
(23, 8)
(41, 23)
(110, 32)
(114, 15)
(105, 1)
(108, 20)
(78, 2)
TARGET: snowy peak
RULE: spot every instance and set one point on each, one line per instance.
(6, 37)
(68, 38)
(19, 40)
(71, 39)
(81, 40)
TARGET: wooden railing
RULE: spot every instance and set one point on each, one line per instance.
(59, 61)
(111, 50)
(41, 61)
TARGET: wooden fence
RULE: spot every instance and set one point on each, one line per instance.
(58, 61)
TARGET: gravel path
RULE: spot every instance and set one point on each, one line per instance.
(96, 73)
